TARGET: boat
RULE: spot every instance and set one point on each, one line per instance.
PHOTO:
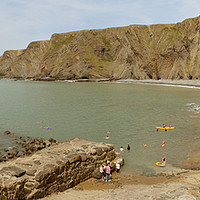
(164, 128)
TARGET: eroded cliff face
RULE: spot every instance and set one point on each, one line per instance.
(160, 51)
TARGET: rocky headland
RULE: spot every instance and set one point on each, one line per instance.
(158, 51)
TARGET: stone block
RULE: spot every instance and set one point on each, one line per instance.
(97, 174)
(50, 168)
(51, 178)
(41, 175)
(62, 187)
(31, 172)
(13, 170)
(29, 185)
(103, 156)
(73, 158)
(99, 151)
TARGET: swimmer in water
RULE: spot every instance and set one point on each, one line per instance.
(107, 137)
(163, 144)
(121, 148)
(164, 160)
(145, 145)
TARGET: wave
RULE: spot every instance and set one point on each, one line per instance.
(194, 107)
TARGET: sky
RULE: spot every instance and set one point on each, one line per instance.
(24, 21)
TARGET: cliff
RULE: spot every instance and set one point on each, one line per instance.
(162, 51)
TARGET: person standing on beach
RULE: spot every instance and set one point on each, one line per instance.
(117, 168)
(102, 172)
(107, 168)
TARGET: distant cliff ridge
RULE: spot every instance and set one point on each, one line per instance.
(162, 51)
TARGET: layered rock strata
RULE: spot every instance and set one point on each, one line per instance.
(162, 51)
(54, 169)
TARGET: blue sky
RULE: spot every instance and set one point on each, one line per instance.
(23, 21)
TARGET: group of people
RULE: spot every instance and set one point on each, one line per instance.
(106, 171)
(166, 126)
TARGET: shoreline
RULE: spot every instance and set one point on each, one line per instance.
(180, 82)
(165, 82)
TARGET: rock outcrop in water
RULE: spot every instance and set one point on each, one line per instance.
(54, 169)
(162, 51)
(23, 146)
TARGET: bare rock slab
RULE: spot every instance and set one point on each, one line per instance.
(55, 168)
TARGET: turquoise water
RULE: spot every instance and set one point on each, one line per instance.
(88, 110)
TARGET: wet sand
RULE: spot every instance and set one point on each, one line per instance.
(183, 186)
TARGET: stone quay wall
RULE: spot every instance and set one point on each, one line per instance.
(55, 168)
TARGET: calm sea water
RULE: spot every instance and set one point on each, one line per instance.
(88, 110)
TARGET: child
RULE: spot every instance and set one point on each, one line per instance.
(102, 172)
(117, 168)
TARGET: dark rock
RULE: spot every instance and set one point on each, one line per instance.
(52, 140)
(103, 156)
(41, 175)
(51, 178)
(13, 170)
(61, 167)
(84, 157)
(40, 140)
(73, 158)
(31, 172)
(14, 153)
(50, 168)
(20, 154)
(7, 132)
(99, 151)
(97, 174)
(10, 156)
(37, 162)
(36, 194)
(1, 159)
(62, 187)
(29, 185)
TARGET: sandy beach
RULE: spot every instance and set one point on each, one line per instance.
(183, 184)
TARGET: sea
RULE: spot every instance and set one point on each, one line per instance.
(89, 110)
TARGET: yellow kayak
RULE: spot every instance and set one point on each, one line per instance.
(166, 128)
(160, 164)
